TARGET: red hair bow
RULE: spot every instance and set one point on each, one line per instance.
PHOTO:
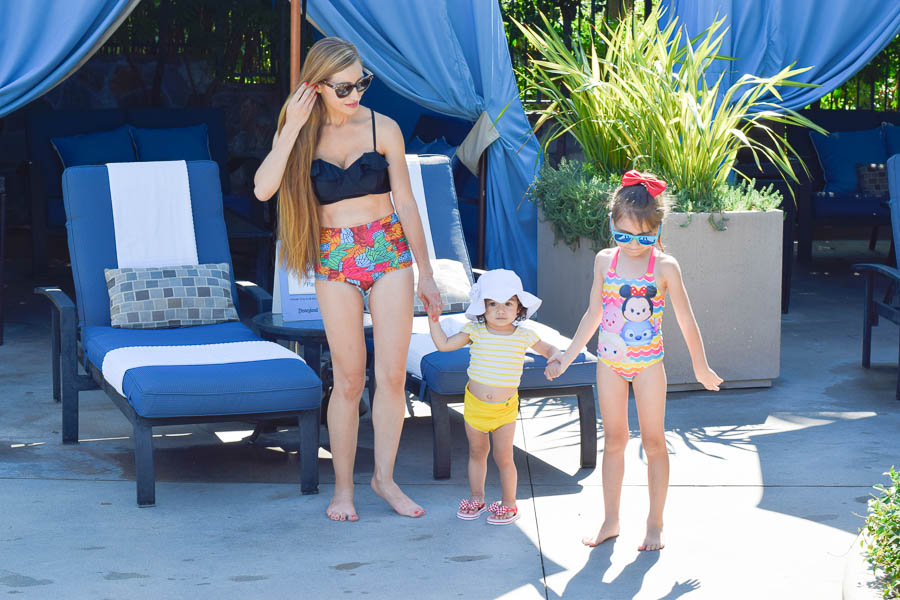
(654, 186)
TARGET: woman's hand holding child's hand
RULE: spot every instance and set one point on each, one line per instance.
(430, 296)
(556, 365)
(708, 378)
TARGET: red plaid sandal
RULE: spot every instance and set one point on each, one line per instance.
(469, 509)
(502, 515)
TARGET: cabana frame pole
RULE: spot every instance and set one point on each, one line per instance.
(482, 207)
(296, 41)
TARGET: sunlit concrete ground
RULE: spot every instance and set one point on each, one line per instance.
(766, 488)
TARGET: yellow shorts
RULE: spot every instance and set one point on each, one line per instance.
(489, 416)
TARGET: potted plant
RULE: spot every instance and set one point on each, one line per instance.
(639, 97)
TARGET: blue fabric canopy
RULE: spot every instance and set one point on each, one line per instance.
(43, 41)
(452, 58)
(836, 38)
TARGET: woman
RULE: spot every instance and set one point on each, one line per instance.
(333, 163)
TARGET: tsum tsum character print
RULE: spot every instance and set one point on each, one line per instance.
(638, 304)
(613, 321)
(637, 333)
(612, 347)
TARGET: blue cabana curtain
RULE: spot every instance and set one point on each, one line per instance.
(44, 41)
(452, 58)
(836, 38)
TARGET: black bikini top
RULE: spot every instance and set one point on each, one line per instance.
(368, 174)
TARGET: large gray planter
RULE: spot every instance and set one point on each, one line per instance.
(733, 278)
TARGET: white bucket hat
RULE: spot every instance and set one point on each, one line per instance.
(499, 285)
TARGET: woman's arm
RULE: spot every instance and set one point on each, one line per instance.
(268, 175)
(442, 342)
(390, 138)
(590, 321)
(671, 272)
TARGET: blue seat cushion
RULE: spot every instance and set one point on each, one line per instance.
(445, 372)
(267, 386)
(850, 204)
(95, 148)
(840, 151)
(174, 143)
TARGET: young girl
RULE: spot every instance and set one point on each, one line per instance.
(498, 344)
(627, 298)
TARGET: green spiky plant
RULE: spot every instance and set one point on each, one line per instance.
(643, 101)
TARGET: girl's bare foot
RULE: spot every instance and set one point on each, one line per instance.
(341, 507)
(394, 496)
(653, 539)
(608, 531)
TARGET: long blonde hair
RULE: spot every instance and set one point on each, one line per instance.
(298, 221)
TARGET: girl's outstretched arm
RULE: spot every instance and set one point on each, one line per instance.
(442, 342)
(545, 349)
(590, 321)
(671, 272)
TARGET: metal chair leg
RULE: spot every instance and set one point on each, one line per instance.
(55, 357)
(868, 320)
(309, 451)
(143, 461)
(440, 426)
(587, 417)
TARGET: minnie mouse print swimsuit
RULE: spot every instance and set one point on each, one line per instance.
(631, 332)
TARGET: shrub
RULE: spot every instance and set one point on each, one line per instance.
(881, 542)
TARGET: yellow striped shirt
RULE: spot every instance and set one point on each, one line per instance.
(497, 359)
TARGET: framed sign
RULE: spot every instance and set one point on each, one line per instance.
(294, 297)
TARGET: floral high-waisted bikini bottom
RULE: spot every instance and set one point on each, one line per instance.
(362, 254)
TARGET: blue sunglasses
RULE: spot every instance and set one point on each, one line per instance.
(624, 238)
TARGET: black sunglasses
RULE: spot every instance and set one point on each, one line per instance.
(342, 90)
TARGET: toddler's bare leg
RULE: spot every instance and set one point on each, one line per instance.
(479, 447)
(503, 457)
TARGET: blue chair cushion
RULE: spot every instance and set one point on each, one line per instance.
(445, 372)
(850, 204)
(266, 386)
(176, 143)
(95, 148)
(92, 240)
(435, 146)
(840, 151)
(891, 138)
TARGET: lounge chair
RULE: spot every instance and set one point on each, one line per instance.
(888, 307)
(440, 377)
(271, 383)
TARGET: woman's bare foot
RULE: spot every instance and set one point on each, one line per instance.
(341, 507)
(653, 539)
(608, 531)
(394, 496)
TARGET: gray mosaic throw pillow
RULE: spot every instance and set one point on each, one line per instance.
(872, 179)
(167, 297)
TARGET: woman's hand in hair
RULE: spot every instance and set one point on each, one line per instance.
(300, 106)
